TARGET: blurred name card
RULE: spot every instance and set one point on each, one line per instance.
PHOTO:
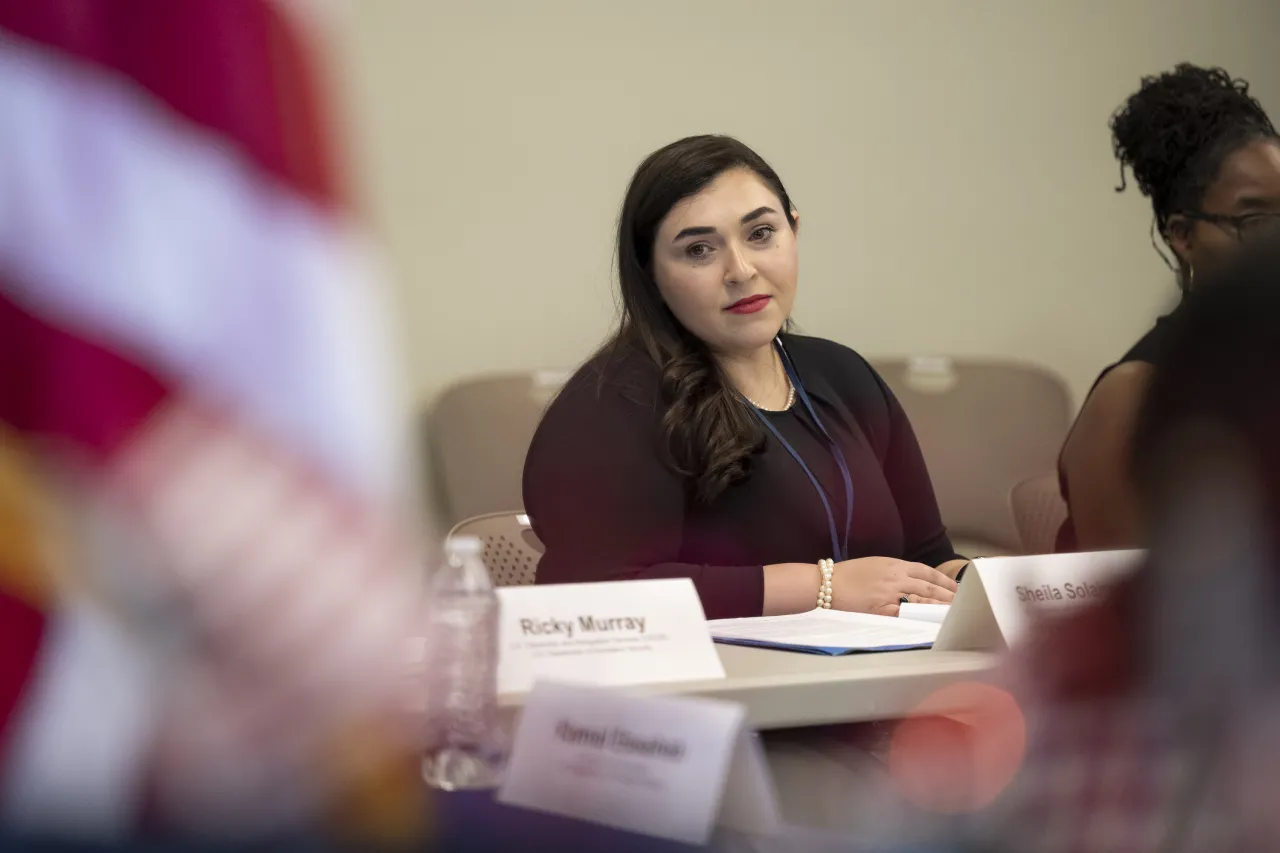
(615, 633)
(671, 767)
(999, 596)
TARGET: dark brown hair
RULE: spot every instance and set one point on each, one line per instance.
(708, 435)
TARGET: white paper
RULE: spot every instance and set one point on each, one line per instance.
(827, 629)
(614, 633)
(655, 765)
(924, 612)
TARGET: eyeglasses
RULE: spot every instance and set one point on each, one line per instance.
(1248, 227)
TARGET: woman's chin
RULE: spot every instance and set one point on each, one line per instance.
(755, 336)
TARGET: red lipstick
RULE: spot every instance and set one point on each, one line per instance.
(749, 305)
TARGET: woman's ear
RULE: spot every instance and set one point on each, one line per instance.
(795, 220)
(1179, 233)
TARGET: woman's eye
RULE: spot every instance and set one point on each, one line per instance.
(762, 234)
(1257, 225)
(698, 251)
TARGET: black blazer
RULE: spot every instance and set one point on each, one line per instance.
(607, 508)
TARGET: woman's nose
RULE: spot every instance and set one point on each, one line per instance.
(738, 268)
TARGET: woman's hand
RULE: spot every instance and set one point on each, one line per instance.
(876, 584)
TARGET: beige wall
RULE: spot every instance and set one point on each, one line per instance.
(950, 159)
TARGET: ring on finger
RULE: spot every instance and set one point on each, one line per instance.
(905, 599)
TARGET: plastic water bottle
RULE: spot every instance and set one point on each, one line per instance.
(465, 744)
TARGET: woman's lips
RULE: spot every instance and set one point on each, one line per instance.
(749, 305)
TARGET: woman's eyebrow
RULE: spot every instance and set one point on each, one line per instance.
(1251, 201)
(703, 230)
(695, 231)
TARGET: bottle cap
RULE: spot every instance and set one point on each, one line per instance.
(463, 546)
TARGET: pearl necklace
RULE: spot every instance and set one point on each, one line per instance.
(791, 399)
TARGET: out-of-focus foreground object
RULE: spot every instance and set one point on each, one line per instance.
(984, 426)
(1152, 715)
(205, 580)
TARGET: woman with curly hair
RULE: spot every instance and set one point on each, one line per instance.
(705, 441)
(1206, 154)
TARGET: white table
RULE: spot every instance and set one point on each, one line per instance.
(821, 778)
(789, 689)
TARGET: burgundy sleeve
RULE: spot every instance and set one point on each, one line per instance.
(606, 507)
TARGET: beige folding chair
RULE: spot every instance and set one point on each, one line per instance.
(478, 432)
(511, 548)
(984, 425)
(1038, 512)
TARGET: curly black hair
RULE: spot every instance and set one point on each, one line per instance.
(1177, 129)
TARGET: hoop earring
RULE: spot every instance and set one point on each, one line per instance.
(1191, 276)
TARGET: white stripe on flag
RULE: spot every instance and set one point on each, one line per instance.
(154, 238)
(78, 751)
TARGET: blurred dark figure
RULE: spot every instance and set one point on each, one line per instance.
(1154, 724)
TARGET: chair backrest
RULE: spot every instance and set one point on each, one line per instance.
(984, 425)
(1038, 511)
(478, 432)
(511, 549)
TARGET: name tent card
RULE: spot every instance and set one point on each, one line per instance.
(614, 633)
(999, 596)
(670, 767)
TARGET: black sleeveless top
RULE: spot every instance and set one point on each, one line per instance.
(1150, 350)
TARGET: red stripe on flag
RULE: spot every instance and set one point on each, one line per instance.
(57, 385)
(21, 630)
(234, 67)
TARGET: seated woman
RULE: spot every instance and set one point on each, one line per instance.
(1208, 157)
(703, 441)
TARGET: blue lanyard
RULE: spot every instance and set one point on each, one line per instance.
(839, 545)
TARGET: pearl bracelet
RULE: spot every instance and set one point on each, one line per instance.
(826, 567)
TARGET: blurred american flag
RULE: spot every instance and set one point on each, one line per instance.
(206, 567)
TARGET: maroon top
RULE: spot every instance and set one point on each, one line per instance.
(607, 508)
